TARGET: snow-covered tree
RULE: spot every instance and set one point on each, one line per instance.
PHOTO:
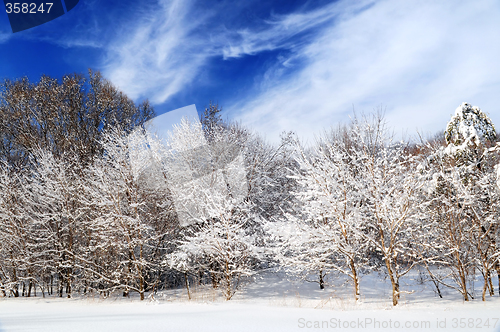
(388, 183)
(392, 210)
(208, 181)
(63, 116)
(17, 259)
(222, 246)
(464, 200)
(467, 134)
(269, 184)
(61, 211)
(327, 235)
(360, 203)
(451, 247)
(118, 193)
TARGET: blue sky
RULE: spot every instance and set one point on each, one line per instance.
(279, 65)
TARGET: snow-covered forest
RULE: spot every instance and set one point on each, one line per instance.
(94, 203)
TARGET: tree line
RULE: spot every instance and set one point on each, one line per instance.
(93, 202)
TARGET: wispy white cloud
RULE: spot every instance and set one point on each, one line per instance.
(5, 30)
(155, 56)
(89, 26)
(418, 59)
(278, 31)
(4, 37)
(165, 52)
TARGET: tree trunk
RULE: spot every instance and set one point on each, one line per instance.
(30, 285)
(228, 280)
(355, 279)
(60, 285)
(394, 283)
(463, 282)
(395, 291)
(321, 281)
(215, 280)
(141, 288)
(141, 275)
(186, 281)
(434, 281)
(68, 286)
(485, 287)
(490, 283)
(498, 274)
(16, 291)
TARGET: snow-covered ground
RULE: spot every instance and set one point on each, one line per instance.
(271, 303)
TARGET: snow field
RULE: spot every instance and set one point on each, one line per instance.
(271, 303)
